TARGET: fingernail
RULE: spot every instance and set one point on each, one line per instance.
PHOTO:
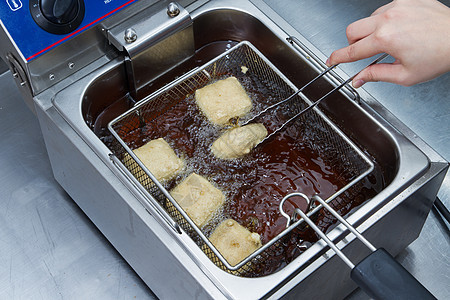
(328, 62)
(358, 83)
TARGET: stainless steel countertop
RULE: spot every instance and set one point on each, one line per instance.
(50, 250)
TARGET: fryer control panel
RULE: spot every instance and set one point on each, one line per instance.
(21, 19)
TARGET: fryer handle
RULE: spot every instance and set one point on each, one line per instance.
(382, 277)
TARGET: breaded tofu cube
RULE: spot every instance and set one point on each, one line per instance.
(198, 198)
(234, 241)
(160, 159)
(223, 100)
(238, 141)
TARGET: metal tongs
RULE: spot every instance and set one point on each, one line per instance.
(377, 60)
(379, 275)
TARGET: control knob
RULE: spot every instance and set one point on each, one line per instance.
(57, 16)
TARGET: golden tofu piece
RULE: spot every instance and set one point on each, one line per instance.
(234, 241)
(160, 159)
(198, 198)
(238, 141)
(223, 100)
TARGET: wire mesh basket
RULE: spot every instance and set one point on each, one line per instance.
(321, 134)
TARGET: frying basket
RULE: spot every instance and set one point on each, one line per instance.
(334, 146)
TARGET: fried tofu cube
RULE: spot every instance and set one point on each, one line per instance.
(234, 241)
(198, 198)
(223, 100)
(238, 141)
(160, 159)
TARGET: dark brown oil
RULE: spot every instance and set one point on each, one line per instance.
(254, 185)
(104, 108)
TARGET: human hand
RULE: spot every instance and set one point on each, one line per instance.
(415, 32)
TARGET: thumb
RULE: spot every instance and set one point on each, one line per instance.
(394, 73)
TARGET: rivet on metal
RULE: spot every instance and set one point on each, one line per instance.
(71, 65)
(51, 76)
(173, 10)
(130, 35)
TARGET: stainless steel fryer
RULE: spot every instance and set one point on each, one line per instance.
(68, 103)
(353, 164)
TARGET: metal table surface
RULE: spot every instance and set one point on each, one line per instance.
(50, 250)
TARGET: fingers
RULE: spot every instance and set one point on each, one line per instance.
(360, 38)
(361, 49)
(394, 73)
(360, 29)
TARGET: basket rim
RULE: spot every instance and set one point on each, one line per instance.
(158, 184)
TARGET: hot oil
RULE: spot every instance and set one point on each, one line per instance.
(255, 184)
(112, 107)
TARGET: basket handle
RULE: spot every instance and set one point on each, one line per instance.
(149, 203)
(379, 275)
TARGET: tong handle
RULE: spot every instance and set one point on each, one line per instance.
(380, 276)
(314, 104)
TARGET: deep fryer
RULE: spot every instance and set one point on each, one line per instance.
(65, 126)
